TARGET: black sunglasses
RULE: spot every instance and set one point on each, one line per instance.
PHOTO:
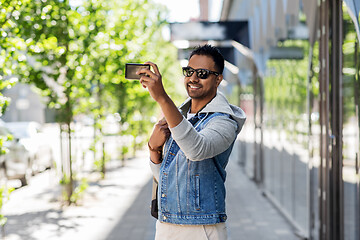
(200, 73)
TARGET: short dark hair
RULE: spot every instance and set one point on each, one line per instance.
(213, 52)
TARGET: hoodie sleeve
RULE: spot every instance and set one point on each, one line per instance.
(214, 139)
(155, 168)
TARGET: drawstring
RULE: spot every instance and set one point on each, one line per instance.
(196, 119)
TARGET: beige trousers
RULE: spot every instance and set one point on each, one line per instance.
(168, 231)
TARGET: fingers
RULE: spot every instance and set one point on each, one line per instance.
(163, 127)
(147, 73)
(162, 121)
(146, 81)
(160, 133)
(155, 67)
(166, 132)
(143, 83)
(148, 78)
(152, 80)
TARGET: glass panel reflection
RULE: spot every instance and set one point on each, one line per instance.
(286, 135)
(350, 91)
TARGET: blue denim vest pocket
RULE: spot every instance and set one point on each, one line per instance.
(197, 192)
(206, 176)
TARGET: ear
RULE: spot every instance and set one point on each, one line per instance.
(219, 79)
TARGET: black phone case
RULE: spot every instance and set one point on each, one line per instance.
(132, 68)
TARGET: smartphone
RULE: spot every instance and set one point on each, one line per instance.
(132, 68)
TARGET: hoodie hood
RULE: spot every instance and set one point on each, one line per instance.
(219, 104)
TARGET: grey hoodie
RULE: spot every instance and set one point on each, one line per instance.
(218, 135)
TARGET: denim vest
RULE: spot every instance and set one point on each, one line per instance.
(192, 192)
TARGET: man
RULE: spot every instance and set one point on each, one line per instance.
(190, 148)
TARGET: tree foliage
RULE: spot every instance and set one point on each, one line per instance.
(76, 54)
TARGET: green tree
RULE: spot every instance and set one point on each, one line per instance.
(11, 46)
(76, 56)
(10, 52)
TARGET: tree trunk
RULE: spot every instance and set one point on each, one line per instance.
(70, 184)
(103, 169)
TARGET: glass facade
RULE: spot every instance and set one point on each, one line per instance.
(286, 139)
(301, 139)
(350, 130)
(288, 151)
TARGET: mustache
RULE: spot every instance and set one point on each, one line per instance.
(194, 83)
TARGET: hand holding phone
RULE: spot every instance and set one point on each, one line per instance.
(152, 81)
(132, 68)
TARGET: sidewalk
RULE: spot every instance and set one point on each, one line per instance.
(118, 208)
(250, 215)
(34, 211)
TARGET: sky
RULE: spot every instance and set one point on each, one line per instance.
(184, 10)
(181, 11)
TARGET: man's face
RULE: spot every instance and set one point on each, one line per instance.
(202, 89)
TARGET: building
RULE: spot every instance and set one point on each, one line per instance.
(300, 70)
